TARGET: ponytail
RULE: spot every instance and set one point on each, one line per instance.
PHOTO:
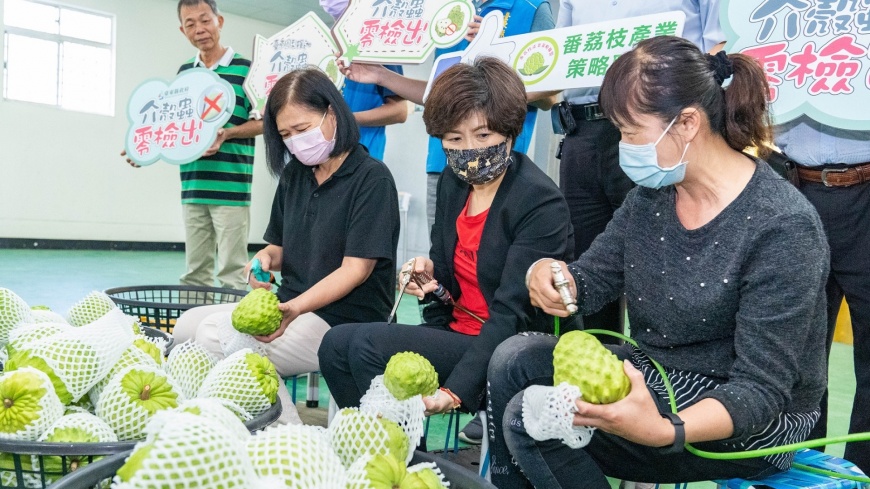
(747, 120)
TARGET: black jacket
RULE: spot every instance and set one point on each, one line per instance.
(528, 220)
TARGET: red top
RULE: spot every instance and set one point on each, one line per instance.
(468, 231)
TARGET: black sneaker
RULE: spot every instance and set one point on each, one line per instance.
(473, 432)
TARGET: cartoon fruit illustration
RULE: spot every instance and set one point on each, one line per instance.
(133, 396)
(534, 65)
(244, 378)
(581, 360)
(257, 313)
(354, 434)
(409, 374)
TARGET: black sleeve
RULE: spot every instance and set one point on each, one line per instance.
(541, 231)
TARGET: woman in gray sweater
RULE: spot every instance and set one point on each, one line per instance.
(723, 266)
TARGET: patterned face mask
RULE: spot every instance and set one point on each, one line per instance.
(480, 165)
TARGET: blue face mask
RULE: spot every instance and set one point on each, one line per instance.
(641, 163)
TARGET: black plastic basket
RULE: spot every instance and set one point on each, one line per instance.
(159, 306)
(101, 473)
(18, 455)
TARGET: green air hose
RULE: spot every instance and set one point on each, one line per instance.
(763, 452)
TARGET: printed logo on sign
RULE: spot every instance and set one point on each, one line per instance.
(537, 59)
(212, 103)
(450, 22)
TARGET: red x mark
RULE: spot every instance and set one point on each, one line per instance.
(211, 104)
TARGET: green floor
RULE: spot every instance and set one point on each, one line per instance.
(59, 278)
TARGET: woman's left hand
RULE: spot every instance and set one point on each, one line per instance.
(438, 403)
(290, 314)
(635, 418)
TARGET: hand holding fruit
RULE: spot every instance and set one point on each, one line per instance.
(635, 417)
(290, 312)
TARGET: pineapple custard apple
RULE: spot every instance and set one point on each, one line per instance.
(244, 378)
(189, 363)
(257, 313)
(354, 434)
(377, 472)
(94, 306)
(28, 404)
(13, 311)
(581, 360)
(133, 396)
(409, 374)
(72, 428)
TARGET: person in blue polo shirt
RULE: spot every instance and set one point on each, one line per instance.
(373, 106)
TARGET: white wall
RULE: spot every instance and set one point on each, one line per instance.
(60, 173)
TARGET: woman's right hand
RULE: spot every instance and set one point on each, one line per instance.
(422, 264)
(266, 265)
(543, 293)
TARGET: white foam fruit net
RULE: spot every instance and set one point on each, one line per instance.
(353, 434)
(25, 334)
(300, 456)
(97, 430)
(188, 364)
(132, 356)
(410, 414)
(187, 451)
(13, 311)
(356, 474)
(429, 465)
(94, 306)
(548, 414)
(232, 340)
(31, 404)
(221, 411)
(81, 357)
(121, 405)
(45, 316)
(232, 380)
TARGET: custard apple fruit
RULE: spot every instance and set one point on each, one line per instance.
(243, 378)
(189, 363)
(94, 306)
(353, 434)
(298, 455)
(376, 471)
(13, 311)
(133, 396)
(409, 374)
(28, 404)
(257, 313)
(582, 361)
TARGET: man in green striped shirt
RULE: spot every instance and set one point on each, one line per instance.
(216, 189)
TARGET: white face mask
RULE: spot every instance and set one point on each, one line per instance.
(641, 163)
(311, 148)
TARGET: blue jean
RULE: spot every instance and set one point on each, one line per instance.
(525, 360)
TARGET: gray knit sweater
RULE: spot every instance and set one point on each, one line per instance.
(740, 300)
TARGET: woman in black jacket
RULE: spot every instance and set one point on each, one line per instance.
(496, 214)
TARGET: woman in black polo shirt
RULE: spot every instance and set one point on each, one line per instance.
(496, 214)
(332, 233)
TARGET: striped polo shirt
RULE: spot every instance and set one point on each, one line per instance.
(223, 178)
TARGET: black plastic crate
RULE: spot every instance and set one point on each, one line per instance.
(159, 306)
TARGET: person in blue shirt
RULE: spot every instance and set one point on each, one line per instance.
(373, 106)
(589, 173)
(521, 17)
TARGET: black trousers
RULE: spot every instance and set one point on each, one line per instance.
(845, 213)
(594, 186)
(351, 355)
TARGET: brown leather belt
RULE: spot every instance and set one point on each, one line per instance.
(837, 177)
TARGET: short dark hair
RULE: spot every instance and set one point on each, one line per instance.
(488, 86)
(663, 75)
(310, 88)
(193, 3)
